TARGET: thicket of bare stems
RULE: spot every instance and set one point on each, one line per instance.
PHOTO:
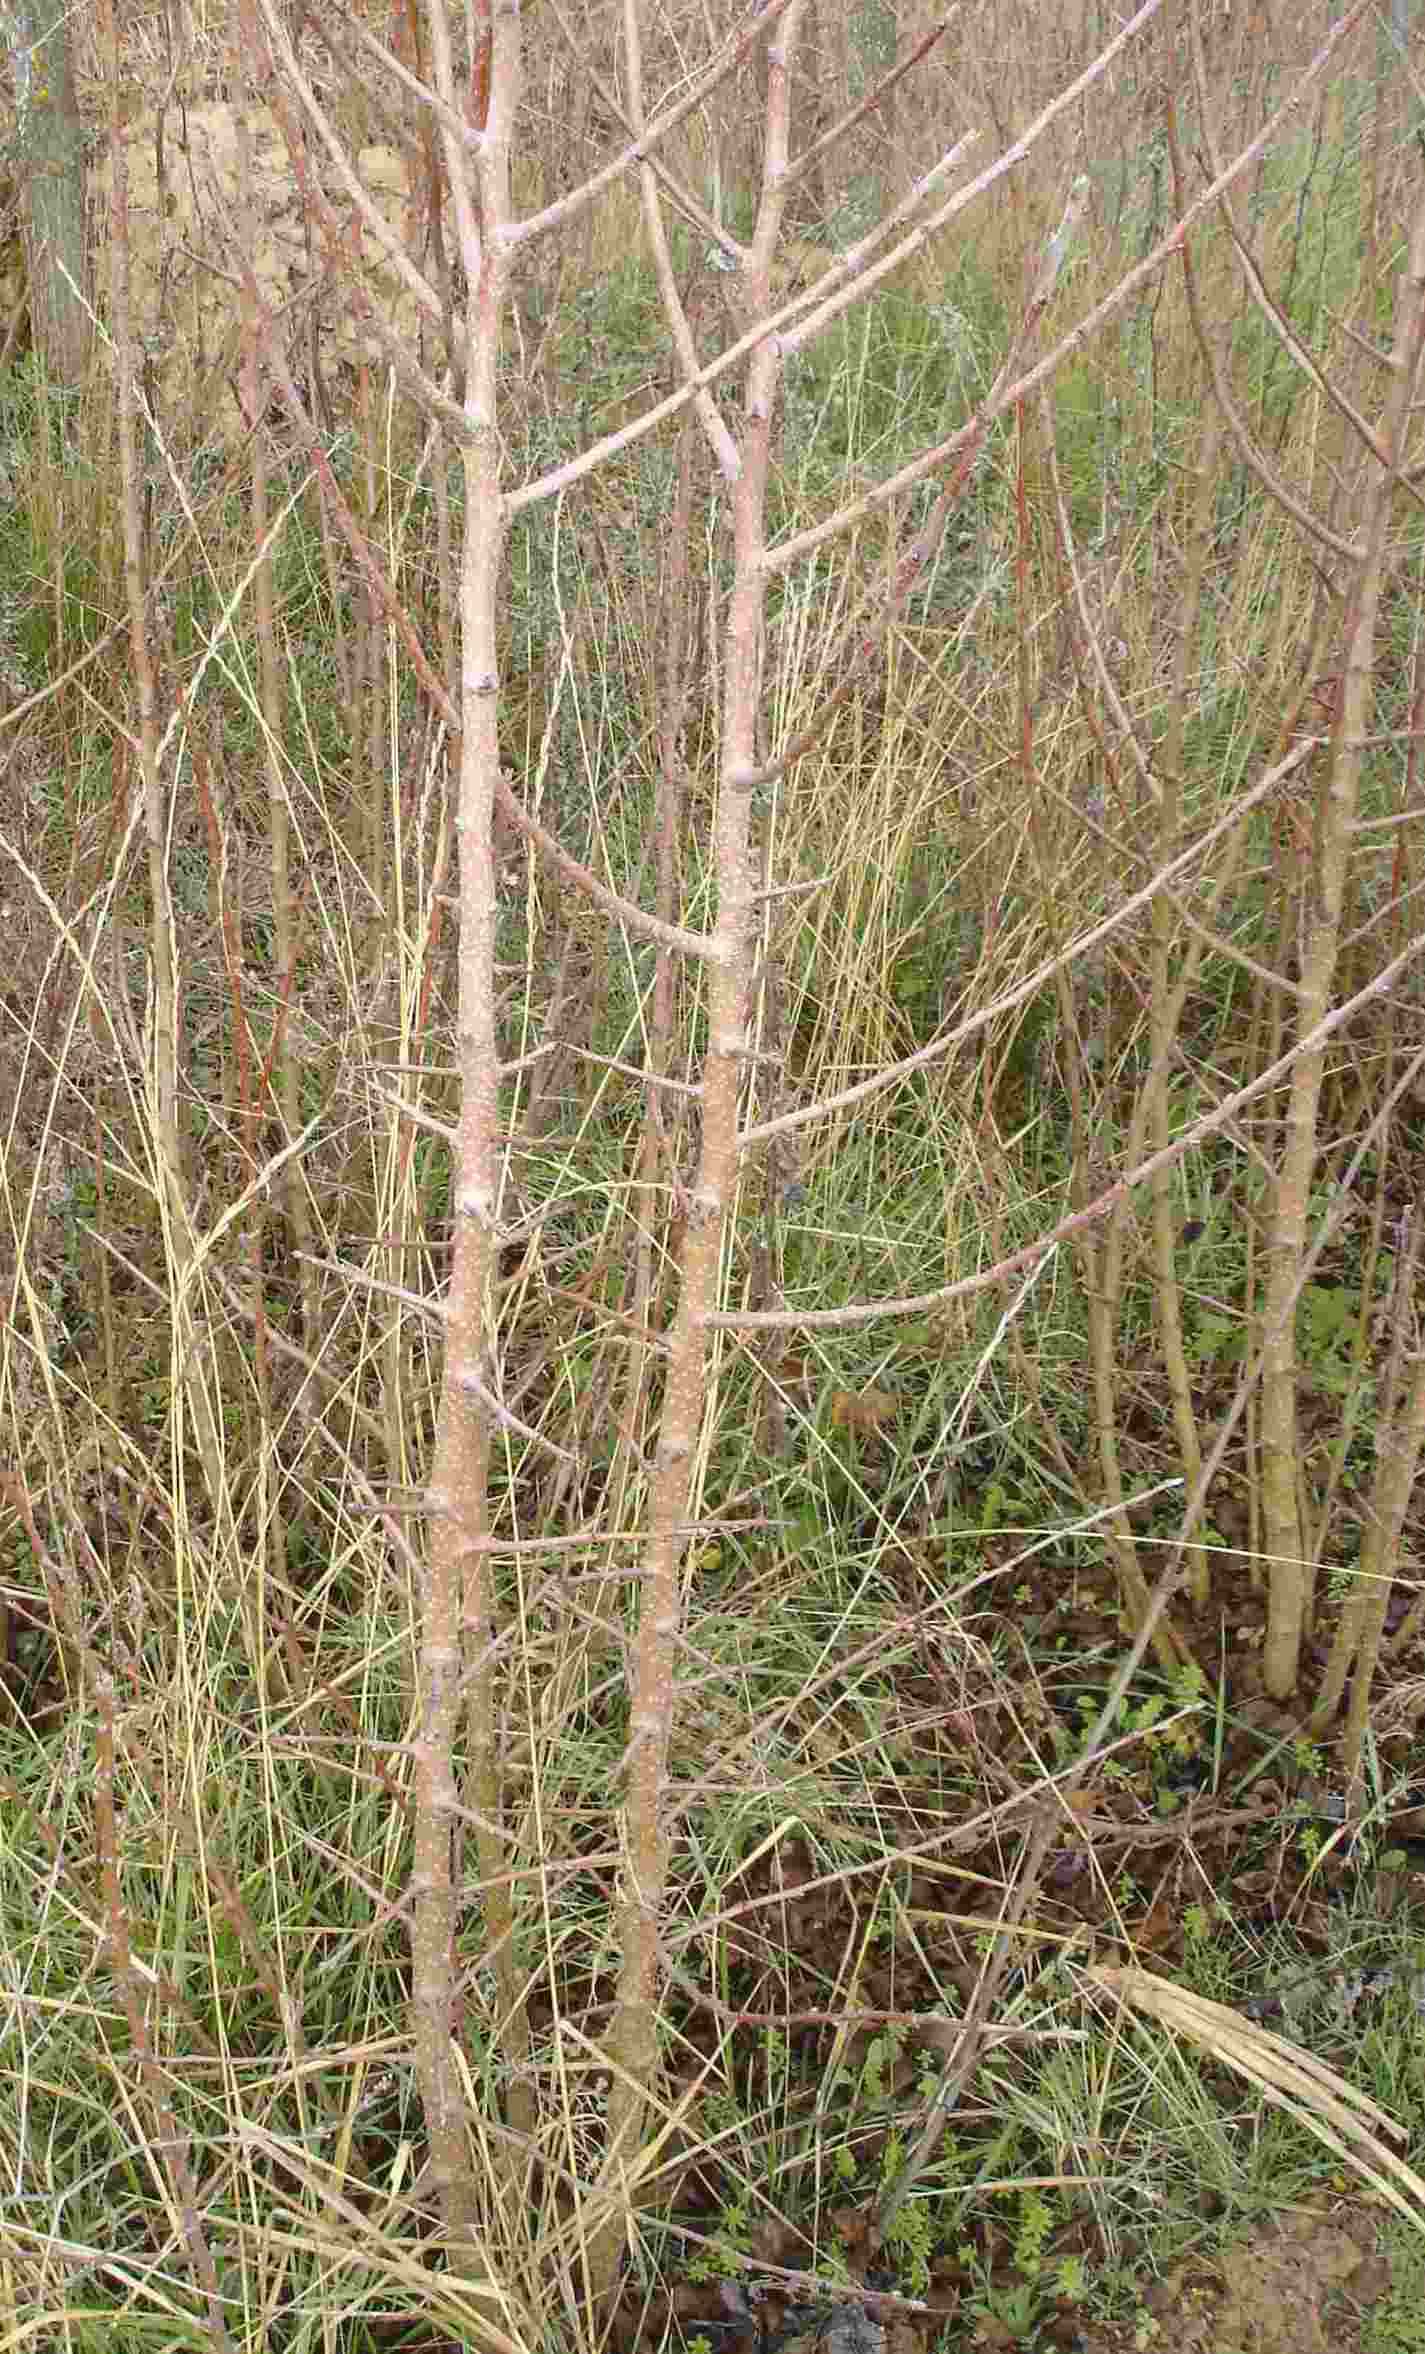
(537, 1443)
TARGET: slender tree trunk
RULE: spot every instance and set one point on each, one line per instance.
(1336, 813)
(50, 146)
(634, 2037)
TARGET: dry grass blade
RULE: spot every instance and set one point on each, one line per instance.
(1292, 2079)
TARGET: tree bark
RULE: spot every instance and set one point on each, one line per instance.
(49, 144)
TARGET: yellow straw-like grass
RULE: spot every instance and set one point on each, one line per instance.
(1291, 2078)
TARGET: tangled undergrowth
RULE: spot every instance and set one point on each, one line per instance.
(1045, 886)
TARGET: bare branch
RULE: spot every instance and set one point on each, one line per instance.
(738, 50)
(373, 219)
(1210, 1124)
(805, 543)
(873, 99)
(1035, 981)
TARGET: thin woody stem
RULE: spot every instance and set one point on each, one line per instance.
(633, 2040)
(1210, 1124)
